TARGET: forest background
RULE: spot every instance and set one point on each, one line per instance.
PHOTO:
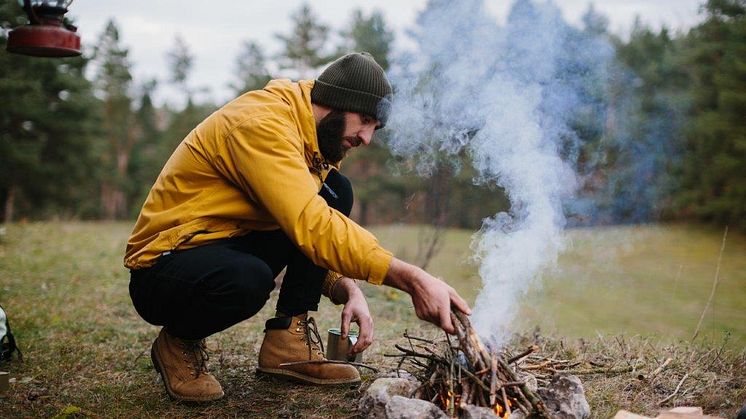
(665, 138)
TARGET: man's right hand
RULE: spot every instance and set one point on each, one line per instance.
(432, 298)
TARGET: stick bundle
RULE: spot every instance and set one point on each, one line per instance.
(468, 373)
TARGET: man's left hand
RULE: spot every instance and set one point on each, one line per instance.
(356, 311)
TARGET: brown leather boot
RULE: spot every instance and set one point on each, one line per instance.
(296, 339)
(183, 366)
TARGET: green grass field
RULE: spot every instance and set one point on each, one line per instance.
(643, 280)
(87, 352)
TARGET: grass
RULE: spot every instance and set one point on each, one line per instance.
(87, 352)
(649, 280)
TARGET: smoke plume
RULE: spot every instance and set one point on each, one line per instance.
(506, 96)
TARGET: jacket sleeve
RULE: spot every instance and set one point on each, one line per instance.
(265, 158)
(327, 287)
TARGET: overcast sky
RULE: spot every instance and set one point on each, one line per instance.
(215, 29)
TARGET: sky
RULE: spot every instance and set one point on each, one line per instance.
(214, 30)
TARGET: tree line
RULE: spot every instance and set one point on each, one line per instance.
(80, 138)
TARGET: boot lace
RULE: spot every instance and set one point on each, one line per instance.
(312, 336)
(196, 356)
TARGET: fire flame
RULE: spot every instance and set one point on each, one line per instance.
(500, 411)
(445, 401)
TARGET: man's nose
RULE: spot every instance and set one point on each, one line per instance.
(365, 136)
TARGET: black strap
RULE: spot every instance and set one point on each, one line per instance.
(6, 351)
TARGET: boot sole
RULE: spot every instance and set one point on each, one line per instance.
(281, 373)
(164, 378)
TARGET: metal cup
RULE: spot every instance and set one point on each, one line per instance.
(337, 348)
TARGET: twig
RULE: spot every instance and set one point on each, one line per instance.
(534, 400)
(476, 379)
(620, 370)
(408, 336)
(536, 366)
(328, 361)
(493, 379)
(451, 391)
(407, 352)
(465, 393)
(512, 384)
(675, 391)
(676, 280)
(720, 351)
(531, 349)
(714, 286)
(661, 368)
(505, 401)
(523, 398)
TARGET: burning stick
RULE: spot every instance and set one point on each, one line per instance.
(493, 383)
(505, 401)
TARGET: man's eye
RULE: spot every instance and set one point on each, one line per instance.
(367, 119)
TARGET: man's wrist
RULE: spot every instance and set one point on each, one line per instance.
(344, 289)
(401, 275)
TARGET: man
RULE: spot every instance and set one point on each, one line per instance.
(252, 190)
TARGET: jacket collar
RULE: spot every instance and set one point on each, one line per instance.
(298, 96)
(314, 158)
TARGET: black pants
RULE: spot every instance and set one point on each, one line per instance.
(204, 290)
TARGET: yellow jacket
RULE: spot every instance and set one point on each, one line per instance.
(253, 165)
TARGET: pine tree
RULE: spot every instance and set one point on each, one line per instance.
(147, 159)
(180, 62)
(251, 68)
(368, 34)
(113, 82)
(713, 182)
(304, 48)
(647, 108)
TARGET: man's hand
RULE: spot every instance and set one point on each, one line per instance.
(355, 311)
(432, 298)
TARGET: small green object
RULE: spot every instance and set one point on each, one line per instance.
(68, 411)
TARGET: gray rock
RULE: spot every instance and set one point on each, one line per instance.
(397, 374)
(565, 398)
(478, 412)
(405, 408)
(517, 414)
(373, 402)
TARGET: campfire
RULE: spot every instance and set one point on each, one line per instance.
(468, 373)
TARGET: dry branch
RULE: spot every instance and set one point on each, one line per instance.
(714, 286)
(662, 402)
(661, 367)
(531, 349)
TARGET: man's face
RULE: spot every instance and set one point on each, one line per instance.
(339, 132)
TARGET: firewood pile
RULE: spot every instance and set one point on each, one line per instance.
(468, 373)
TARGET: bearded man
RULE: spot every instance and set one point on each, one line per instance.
(252, 190)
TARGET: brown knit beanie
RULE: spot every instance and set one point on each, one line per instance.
(354, 83)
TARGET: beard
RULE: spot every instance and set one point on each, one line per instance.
(330, 134)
